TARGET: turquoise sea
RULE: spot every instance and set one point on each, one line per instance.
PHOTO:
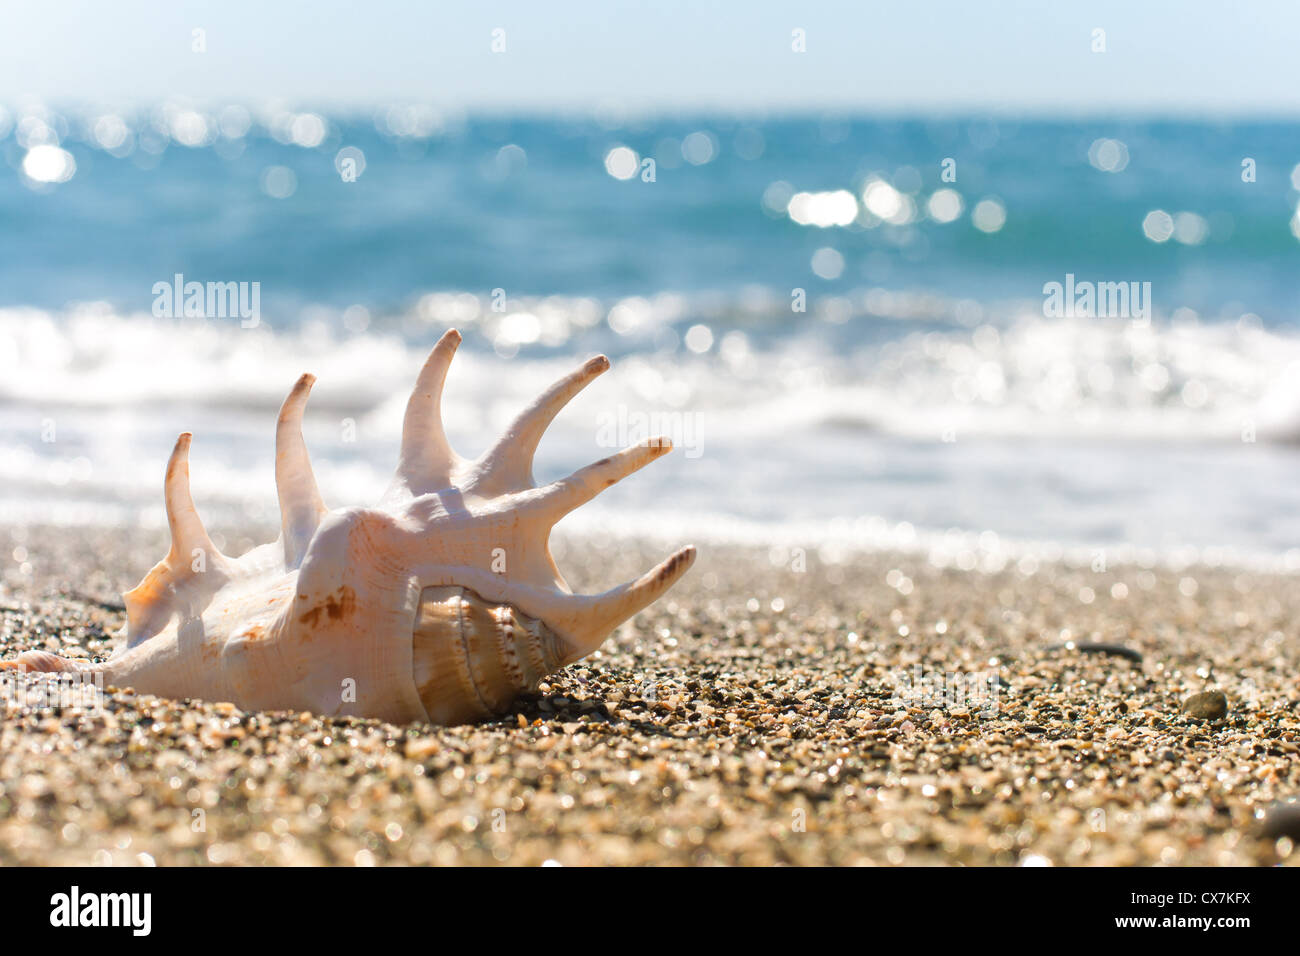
(839, 319)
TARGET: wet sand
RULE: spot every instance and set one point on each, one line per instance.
(881, 711)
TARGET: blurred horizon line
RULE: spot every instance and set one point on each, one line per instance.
(623, 113)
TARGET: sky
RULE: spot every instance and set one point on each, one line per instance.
(1223, 57)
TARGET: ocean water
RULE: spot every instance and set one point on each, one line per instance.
(840, 321)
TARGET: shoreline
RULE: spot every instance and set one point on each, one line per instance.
(757, 714)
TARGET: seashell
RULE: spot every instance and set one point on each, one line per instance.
(441, 604)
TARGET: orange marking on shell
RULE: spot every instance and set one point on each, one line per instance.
(339, 606)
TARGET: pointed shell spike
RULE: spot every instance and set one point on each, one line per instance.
(426, 460)
(193, 568)
(559, 498)
(585, 621)
(301, 506)
(182, 517)
(508, 465)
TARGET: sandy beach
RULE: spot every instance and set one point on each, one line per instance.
(758, 714)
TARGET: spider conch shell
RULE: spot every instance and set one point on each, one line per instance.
(441, 604)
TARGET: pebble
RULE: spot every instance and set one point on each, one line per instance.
(1089, 647)
(1211, 705)
(1282, 820)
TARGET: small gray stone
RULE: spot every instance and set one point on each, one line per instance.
(1092, 647)
(1282, 820)
(1211, 705)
